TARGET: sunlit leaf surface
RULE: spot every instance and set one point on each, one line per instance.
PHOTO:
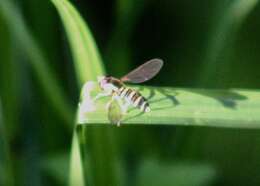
(88, 66)
(84, 50)
(172, 106)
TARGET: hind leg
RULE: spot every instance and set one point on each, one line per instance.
(102, 94)
(125, 107)
(123, 104)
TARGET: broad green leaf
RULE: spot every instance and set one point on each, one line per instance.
(84, 50)
(36, 59)
(197, 107)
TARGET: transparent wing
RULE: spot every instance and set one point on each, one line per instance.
(115, 114)
(144, 72)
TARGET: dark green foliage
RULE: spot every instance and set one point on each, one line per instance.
(45, 58)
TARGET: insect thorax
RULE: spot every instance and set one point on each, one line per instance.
(116, 82)
(110, 84)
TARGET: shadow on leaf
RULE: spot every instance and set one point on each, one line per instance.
(227, 98)
(167, 95)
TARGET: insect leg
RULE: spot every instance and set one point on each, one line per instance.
(108, 104)
(102, 94)
(120, 102)
(125, 107)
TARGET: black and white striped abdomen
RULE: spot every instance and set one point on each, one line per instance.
(133, 97)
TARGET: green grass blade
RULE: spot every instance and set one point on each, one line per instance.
(127, 13)
(36, 59)
(56, 166)
(9, 82)
(9, 103)
(87, 60)
(88, 66)
(6, 171)
(226, 24)
(191, 107)
(154, 173)
(76, 165)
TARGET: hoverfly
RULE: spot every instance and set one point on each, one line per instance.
(123, 96)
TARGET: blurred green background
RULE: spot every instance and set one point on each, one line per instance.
(205, 44)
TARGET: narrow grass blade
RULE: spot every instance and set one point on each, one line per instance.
(154, 173)
(76, 169)
(9, 82)
(37, 60)
(226, 24)
(88, 66)
(84, 50)
(6, 171)
(57, 166)
(197, 107)
(127, 13)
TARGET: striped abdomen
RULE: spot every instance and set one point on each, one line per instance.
(133, 97)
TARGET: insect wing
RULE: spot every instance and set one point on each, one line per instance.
(144, 72)
(114, 112)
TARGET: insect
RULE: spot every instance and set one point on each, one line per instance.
(125, 96)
